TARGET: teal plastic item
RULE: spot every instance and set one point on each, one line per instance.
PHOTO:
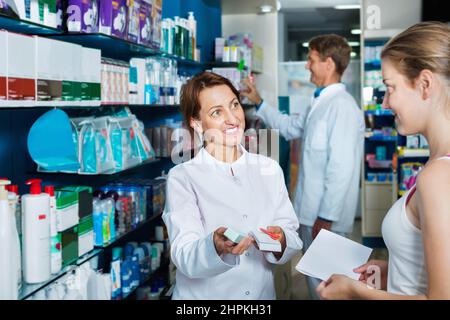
(51, 144)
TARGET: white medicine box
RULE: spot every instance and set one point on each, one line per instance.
(3, 67)
(21, 70)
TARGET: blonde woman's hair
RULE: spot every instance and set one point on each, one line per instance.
(423, 46)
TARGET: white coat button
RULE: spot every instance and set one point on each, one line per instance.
(247, 293)
(244, 216)
(247, 254)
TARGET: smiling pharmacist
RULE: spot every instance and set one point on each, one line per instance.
(332, 133)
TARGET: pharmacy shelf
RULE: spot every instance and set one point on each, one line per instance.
(405, 153)
(124, 236)
(382, 138)
(382, 112)
(378, 183)
(152, 107)
(116, 48)
(16, 25)
(110, 173)
(28, 290)
(220, 64)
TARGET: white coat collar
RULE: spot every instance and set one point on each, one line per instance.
(205, 158)
(331, 89)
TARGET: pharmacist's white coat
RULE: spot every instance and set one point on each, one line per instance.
(332, 133)
(203, 195)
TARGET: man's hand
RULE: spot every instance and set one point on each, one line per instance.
(318, 225)
(251, 93)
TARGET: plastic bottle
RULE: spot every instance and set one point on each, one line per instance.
(14, 199)
(126, 277)
(116, 265)
(8, 248)
(136, 271)
(154, 293)
(192, 23)
(111, 209)
(98, 222)
(36, 234)
(55, 243)
(72, 292)
(105, 222)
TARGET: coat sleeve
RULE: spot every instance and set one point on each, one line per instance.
(192, 252)
(291, 127)
(287, 220)
(344, 143)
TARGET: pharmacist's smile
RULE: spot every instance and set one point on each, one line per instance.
(232, 130)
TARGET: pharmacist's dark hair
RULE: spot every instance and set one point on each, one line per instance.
(190, 94)
(332, 46)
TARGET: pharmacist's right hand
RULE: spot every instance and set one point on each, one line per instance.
(223, 245)
(251, 93)
(368, 273)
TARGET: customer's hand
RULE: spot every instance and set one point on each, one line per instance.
(251, 93)
(223, 245)
(318, 225)
(339, 287)
(374, 273)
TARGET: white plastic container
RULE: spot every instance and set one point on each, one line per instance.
(8, 248)
(14, 205)
(36, 234)
(55, 245)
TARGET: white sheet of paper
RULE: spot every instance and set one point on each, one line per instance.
(330, 254)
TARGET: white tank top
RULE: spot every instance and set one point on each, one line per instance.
(407, 273)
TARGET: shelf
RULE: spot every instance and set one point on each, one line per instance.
(413, 153)
(26, 27)
(28, 290)
(386, 113)
(382, 138)
(381, 34)
(117, 48)
(124, 235)
(220, 64)
(111, 173)
(378, 183)
(155, 107)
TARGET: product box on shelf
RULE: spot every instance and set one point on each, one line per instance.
(21, 70)
(119, 19)
(82, 15)
(48, 77)
(91, 76)
(85, 235)
(137, 81)
(67, 209)
(157, 18)
(3, 66)
(145, 22)
(38, 11)
(134, 7)
(69, 245)
(71, 59)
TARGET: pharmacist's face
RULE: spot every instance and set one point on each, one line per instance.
(222, 119)
(404, 99)
(317, 67)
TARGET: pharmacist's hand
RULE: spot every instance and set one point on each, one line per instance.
(374, 273)
(339, 287)
(282, 238)
(251, 93)
(223, 245)
(319, 225)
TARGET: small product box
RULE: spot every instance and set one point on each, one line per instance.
(85, 235)
(105, 17)
(21, 70)
(3, 66)
(219, 47)
(119, 19)
(82, 16)
(71, 87)
(226, 54)
(145, 22)
(157, 19)
(48, 79)
(69, 245)
(91, 76)
(67, 209)
(134, 7)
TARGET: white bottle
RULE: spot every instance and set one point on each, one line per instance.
(36, 234)
(8, 250)
(192, 23)
(14, 199)
(55, 245)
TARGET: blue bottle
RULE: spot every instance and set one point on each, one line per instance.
(126, 277)
(136, 270)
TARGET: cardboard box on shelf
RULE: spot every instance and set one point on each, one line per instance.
(3, 66)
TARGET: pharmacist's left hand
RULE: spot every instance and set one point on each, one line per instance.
(278, 231)
(338, 287)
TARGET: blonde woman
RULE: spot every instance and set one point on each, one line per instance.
(416, 230)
